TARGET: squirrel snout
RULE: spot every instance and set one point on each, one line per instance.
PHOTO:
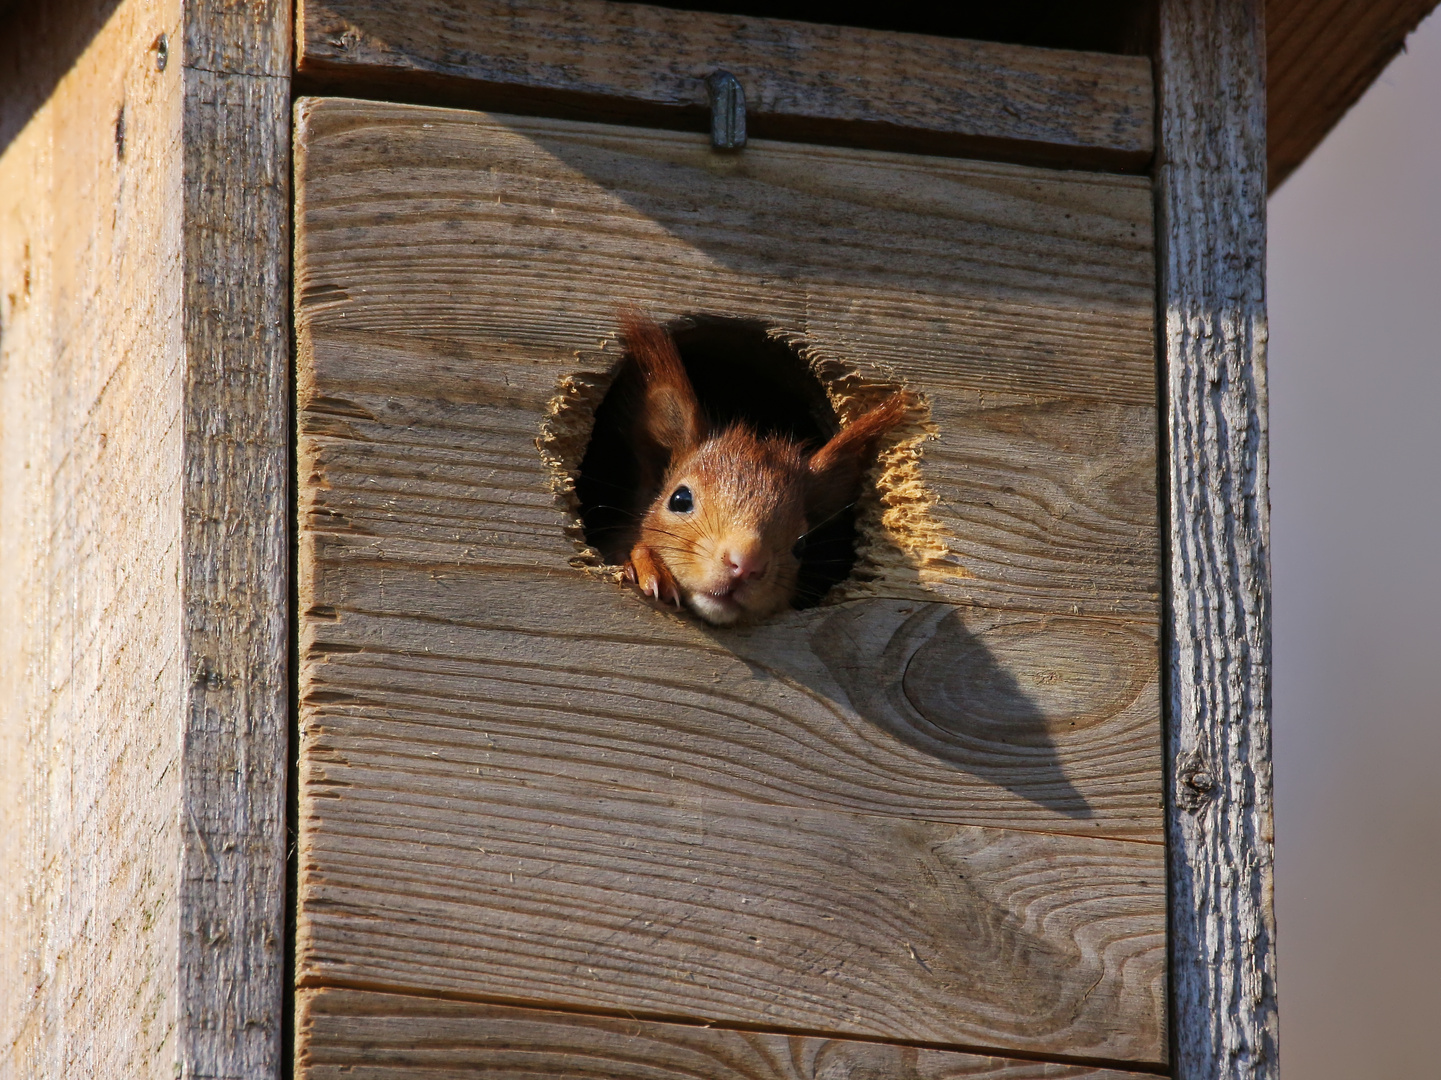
(745, 562)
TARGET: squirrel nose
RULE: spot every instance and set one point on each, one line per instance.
(746, 563)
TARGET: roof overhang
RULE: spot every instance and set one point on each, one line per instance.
(1321, 56)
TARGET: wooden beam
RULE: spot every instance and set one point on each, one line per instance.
(144, 342)
(1211, 193)
(1321, 56)
(90, 680)
(633, 63)
(350, 1033)
(234, 542)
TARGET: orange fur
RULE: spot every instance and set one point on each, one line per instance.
(670, 416)
(837, 467)
(729, 553)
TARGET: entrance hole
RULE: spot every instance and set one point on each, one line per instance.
(741, 374)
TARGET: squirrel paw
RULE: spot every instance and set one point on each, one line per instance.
(651, 575)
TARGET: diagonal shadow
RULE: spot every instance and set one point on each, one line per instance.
(917, 672)
(39, 44)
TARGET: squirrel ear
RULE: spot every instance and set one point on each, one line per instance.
(834, 479)
(670, 414)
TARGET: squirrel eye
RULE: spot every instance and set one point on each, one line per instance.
(681, 501)
(799, 550)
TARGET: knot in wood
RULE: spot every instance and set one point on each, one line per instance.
(1196, 784)
(205, 676)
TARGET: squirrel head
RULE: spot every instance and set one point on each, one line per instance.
(728, 509)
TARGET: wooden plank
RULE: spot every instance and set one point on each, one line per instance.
(1048, 505)
(914, 709)
(90, 680)
(590, 59)
(372, 1036)
(998, 289)
(1212, 223)
(234, 569)
(600, 896)
(1320, 58)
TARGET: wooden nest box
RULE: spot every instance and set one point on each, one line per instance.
(333, 745)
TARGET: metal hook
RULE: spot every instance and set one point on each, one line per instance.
(727, 111)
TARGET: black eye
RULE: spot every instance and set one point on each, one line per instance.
(799, 551)
(681, 501)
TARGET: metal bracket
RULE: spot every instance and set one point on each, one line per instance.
(727, 111)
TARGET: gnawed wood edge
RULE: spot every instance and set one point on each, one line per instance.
(635, 63)
(1212, 229)
(234, 563)
(383, 1036)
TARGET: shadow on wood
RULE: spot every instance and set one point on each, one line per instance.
(997, 701)
(62, 31)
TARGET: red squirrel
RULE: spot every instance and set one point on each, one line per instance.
(727, 507)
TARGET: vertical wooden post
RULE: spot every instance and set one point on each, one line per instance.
(1212, 239)
(144, 433)
(234, 536)
(90, 685)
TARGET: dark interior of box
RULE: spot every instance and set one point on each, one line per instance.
(1112, 26)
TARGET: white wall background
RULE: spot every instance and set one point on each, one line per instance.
(1355, 366)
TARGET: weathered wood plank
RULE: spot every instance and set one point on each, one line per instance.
(90, 407)
(1049, 504)
(917, 709)
(234, 570)
(1320, 59)
(638, 63)
(994, 288)
(1212, 198)
(599, 896)
(374, 1036)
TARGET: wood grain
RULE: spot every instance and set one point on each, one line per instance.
(597, 896)
(449, 747)
(997, 289)
(1212, 199)
(374, 1036)
(1043, 722)
(234, 571)
(420, 476)
(636, 63)
(143, 351)
(889, 816)
(91, 685)
(1320, 58)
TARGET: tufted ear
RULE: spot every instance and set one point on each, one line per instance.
(835, 469)
(669, 416)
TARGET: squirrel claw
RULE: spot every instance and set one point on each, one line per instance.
(651, 576)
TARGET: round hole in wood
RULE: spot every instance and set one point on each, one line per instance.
(742, 374)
